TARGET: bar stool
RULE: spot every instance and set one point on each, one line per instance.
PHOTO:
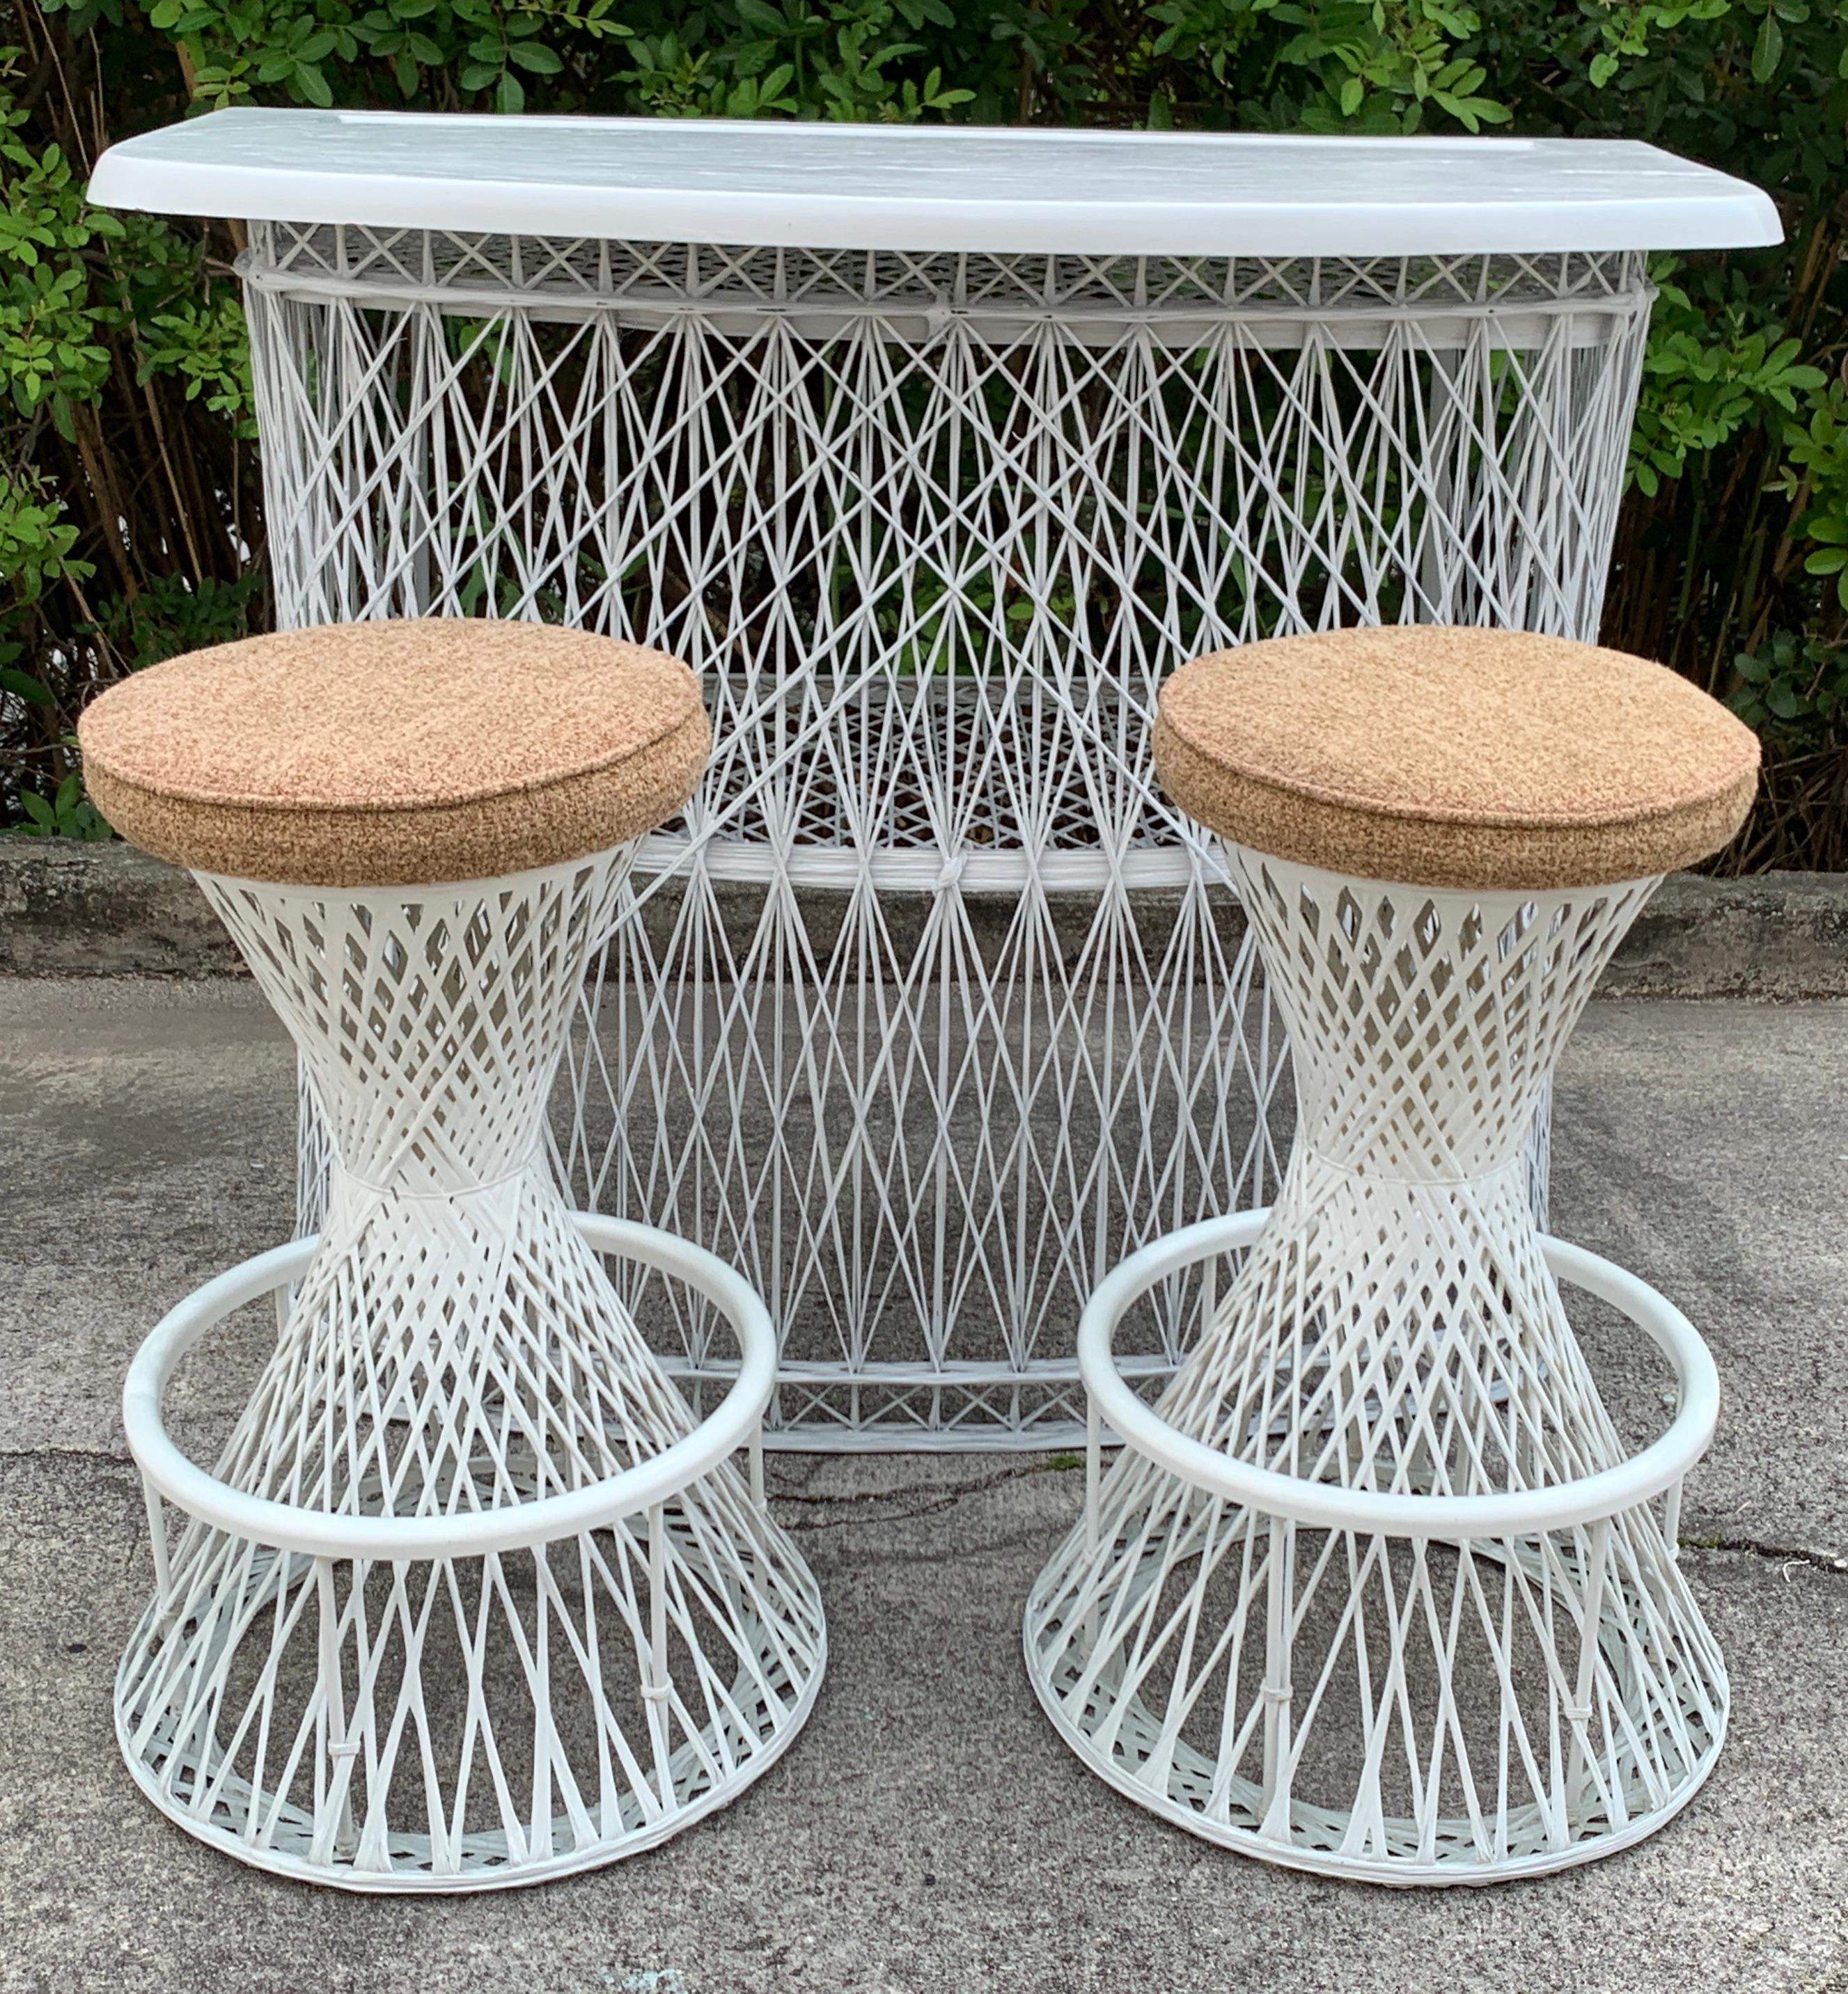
(471, 1597)
(1376, 1588)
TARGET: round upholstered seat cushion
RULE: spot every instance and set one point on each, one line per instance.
(395, 753)
(1465, 758)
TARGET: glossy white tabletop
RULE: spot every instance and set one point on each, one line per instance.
(864, 187)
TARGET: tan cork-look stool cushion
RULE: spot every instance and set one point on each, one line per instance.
(1476, 759)
(396, 754)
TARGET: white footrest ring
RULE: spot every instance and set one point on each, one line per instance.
(1403, 1688)
(456, 1702)
(736, 1422)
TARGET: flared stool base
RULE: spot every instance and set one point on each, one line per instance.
(1234, 1812)
(446, 1703)
(238, 1813)
(1400, 1689)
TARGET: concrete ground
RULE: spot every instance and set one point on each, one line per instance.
(928, 1831)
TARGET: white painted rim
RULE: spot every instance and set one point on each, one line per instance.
(1453, 1518)
(319, 1534)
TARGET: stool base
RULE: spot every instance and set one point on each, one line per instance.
(1128, 1743)
(476, 1700)
(246, 1822)
(1374, 1686)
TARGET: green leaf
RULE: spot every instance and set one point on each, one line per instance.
(22, 685)
(1783, 701)
(535, 56)
(1767, 49)
(509, 94)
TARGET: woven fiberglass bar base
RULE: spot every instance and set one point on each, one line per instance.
(947, 1023)
(1375, 1589)
(472, 1597)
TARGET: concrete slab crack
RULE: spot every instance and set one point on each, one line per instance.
(91, 1454)
(922, 1500)
(1786, 1554)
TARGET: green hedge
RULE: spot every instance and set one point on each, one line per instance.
(130, 510)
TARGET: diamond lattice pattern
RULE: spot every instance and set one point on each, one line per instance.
(455, 1347)
(917, 1054)
(1336, 1697)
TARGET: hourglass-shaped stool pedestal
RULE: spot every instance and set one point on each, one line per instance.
(1376, 1588)
(471, 1597)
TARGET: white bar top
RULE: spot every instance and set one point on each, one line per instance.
(885, 187)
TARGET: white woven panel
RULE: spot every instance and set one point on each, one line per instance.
(455, 1347)
(1397, 1708)
(933, 528)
